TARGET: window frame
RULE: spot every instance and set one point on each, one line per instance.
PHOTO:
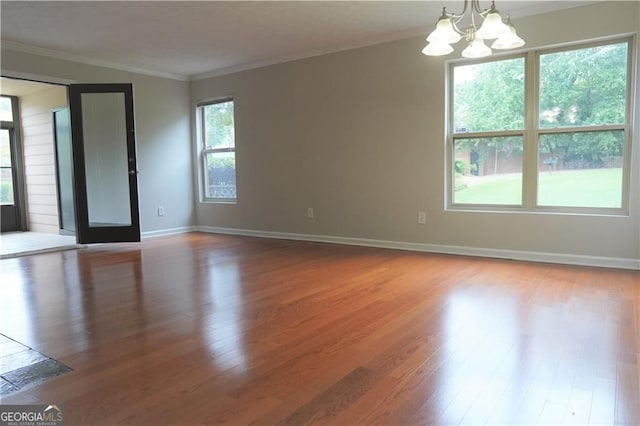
(532, 131)
(203, 151)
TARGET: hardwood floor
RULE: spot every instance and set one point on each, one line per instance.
(204, 329)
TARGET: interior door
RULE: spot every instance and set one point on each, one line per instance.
(104, 159)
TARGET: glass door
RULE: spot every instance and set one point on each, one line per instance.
(105, 168)
(64, 168)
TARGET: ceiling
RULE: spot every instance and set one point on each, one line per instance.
(14, 87)
(196, 39)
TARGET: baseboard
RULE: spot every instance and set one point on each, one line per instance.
(560, 258)
(165, 232)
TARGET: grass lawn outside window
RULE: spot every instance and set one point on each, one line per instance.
(594, 188)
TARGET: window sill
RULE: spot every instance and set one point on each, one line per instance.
(612, 213)
(219, 201)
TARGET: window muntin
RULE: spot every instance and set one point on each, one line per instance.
(590, 135)
(217, 142)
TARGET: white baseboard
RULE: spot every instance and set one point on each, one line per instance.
(561, 258)
(165, 232)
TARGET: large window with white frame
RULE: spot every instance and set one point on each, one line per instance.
(547, 130)
(216, 140)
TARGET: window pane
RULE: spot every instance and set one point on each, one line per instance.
(488, 171)
(6, 113)
(218, 125)
(6, 175)
(220, 175)
(581, 169)
(6, 188)
(489, 96)
(5, 148)
(583, 87)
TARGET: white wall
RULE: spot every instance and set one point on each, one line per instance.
(359, 136)
(162, 133)
(39, 157)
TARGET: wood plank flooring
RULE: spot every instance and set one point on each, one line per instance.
(209, 329)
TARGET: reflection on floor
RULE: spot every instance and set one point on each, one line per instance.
(14, 244)
(21, 366)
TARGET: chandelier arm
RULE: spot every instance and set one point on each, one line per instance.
(471, 31)
(476, 6)
(486, 11)
(456, 17)
(456, 29)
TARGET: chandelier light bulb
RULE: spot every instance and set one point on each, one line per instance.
(476, 49)
(435, 48)
(444, 32)
(508, 40)
(492, 26)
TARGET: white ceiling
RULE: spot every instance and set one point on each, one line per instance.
(13, 87)
(194, 39)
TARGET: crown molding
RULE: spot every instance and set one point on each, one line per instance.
(58, 54)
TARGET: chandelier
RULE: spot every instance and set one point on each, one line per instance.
(493, 26)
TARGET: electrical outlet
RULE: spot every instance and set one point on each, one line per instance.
(160, 211)
(310, 213)
(422, 218)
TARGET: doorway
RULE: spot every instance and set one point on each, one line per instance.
(79, 159)
(33, 188)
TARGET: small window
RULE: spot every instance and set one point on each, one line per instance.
(218, 150)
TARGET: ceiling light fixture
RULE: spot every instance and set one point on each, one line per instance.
(493, 27)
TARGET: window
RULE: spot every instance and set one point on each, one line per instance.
(217, 144)
(6, 109)
(6, 169)
(545, 130)
(7, 147)
(582, 116)
(489, 126)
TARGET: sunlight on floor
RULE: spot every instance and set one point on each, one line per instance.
(16, 244)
